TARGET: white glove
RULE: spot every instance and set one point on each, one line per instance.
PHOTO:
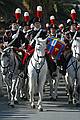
(5, 44)
(15, 36)
(17, 33)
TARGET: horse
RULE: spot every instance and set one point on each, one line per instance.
(55, 48)
(72, 78)
(37, 70)
(1, 84)
(9, 70)
(76, 46)
(53, 76)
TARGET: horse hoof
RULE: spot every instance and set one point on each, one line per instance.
(22, 97)
(43, 90)
(16, 102)
(74, 101)
(78, 104)
(70, 102)
(40, 109)
(33, 106)
(8, 103)
(25, 99)
(12, 105)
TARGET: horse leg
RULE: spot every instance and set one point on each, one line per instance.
(71, 95)
(12, 93)
(31, 92)
(69, 87)
(70, 98)
(55, 88)
(16, 96)
(40, 98)
(51, 87)
(50, 83)
(8, 86)
(1, 85)
(41, 85)
(66, 83)
(25, 89)
(77, 95)
(21, 85)
(78, 90)
(75, 92)
(56, 84)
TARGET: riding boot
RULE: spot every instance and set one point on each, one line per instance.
(27, 54)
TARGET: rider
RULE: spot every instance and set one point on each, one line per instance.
(67, 53)
(14, 37)
(17, 34)
(52, 30)
(49, 58)
(73, 28)
(30, 36)
(26, 29)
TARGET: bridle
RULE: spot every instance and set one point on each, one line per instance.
(38, 60)
(76, 67)
(38, 70)
(75, 51)
(8, 65)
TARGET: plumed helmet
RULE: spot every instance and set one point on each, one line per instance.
(39, 11)
(26, 17)
(17, 13)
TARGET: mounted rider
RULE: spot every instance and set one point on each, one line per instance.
(31, 34)
(14, 37)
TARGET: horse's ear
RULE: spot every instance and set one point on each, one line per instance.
(43, 40)
(46, 38)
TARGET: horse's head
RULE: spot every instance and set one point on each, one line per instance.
(41, 43)
(76, 48)
(40, 46)
(6, 57)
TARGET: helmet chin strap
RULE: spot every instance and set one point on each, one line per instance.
(14, 29)
(37, 28)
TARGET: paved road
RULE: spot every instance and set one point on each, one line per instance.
(53, 110)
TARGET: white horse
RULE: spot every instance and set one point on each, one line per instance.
(76, 46)
(73, 80)
(9, 70)
(1, 84)
(37, 70)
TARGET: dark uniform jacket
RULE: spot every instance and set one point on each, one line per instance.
(18, 41)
